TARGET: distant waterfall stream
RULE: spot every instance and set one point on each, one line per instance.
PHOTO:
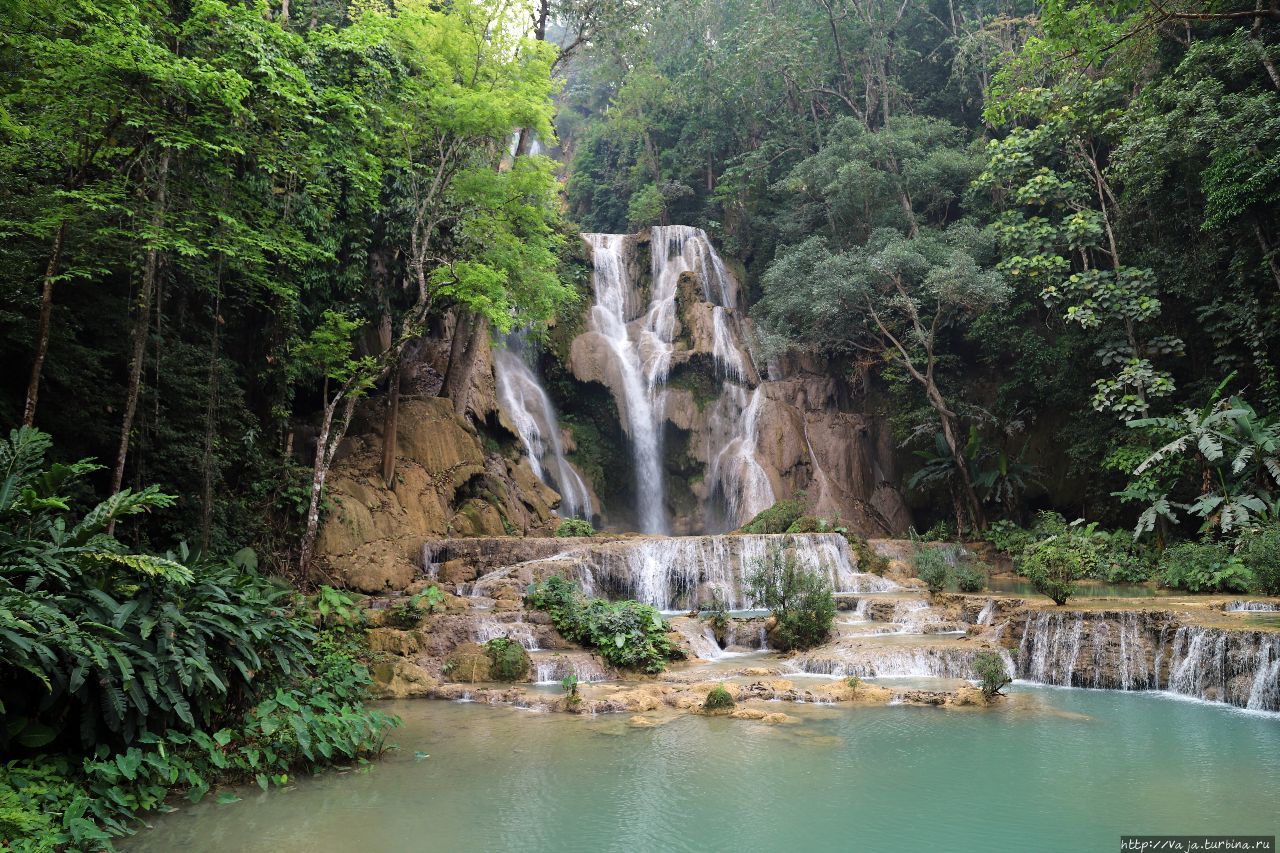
(526, 404)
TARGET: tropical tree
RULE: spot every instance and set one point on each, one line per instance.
(1237, 456)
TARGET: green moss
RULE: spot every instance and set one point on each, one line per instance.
(869, 560)
(719, 699)
(775, 519)
(508, 661)
(704, 388)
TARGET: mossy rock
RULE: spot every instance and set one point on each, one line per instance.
(469, 663)
(808, 524)
(508, 660)
(718, 700)
(776, 519)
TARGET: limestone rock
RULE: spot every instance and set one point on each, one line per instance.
(395, 641)
(400, 679)
(467, 664)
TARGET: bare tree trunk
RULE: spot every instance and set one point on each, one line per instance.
(457, 348)
(460, 392)
(42, 326)
(1268, 252)
(957, 455)
(390, 425)
(150, 272)
(211, 408)
(326, 447)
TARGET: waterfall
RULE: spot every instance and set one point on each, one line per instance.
(1127, 650)
(555, 667)
(988, 610)
(739, 478)
(641, 408)
(641, 341)
(488, 628)
(1251, 607)
(526, 404)
(869, 660)
(680, 573)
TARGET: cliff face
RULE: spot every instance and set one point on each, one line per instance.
(446, 484)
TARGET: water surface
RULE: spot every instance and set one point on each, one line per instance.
(1059, 769)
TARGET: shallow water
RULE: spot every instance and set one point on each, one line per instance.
(1058, 769)
(1006, 585)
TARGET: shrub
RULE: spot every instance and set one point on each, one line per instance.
(306, 722)
(970, 578)
(1122, 559)
(575, 527)
(1204, 567)
(627, 634)
(801, 600)
(991, 671)
(508, 661)
(869, 560)
(775, 519)
(940, 532)
(557, 595)
(817, 524)
(718, 616)
(1008, 537)
(1261, 555)
(408, 614)
(570, 685)
(176, 672)
(718, 699)
(931, 567)
(1054, 564)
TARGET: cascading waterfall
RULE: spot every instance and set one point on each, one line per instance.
(526, 403)
(869, 660)
(610, 317)
(641, 338)
(1127, 650)
(489, 628)
(1251, 607)
(674, 574)
(739, 478)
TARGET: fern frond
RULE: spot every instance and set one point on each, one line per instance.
(146, 564)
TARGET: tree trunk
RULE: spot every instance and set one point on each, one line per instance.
(460, 393)
(42, 326)
(957, 455)
(389, 426)
(150, 273)
(319, 472)
(457, 348)
(1268, 253)
(211, 408)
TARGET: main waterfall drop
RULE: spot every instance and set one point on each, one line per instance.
(643, 344)
(638, 404)
(525, 402)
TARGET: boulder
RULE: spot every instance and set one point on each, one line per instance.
(400, 679)
(468, 663)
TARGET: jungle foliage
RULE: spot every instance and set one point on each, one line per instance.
(1044, 238)
(626, 634)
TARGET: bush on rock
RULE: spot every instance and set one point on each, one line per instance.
(801, 600)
